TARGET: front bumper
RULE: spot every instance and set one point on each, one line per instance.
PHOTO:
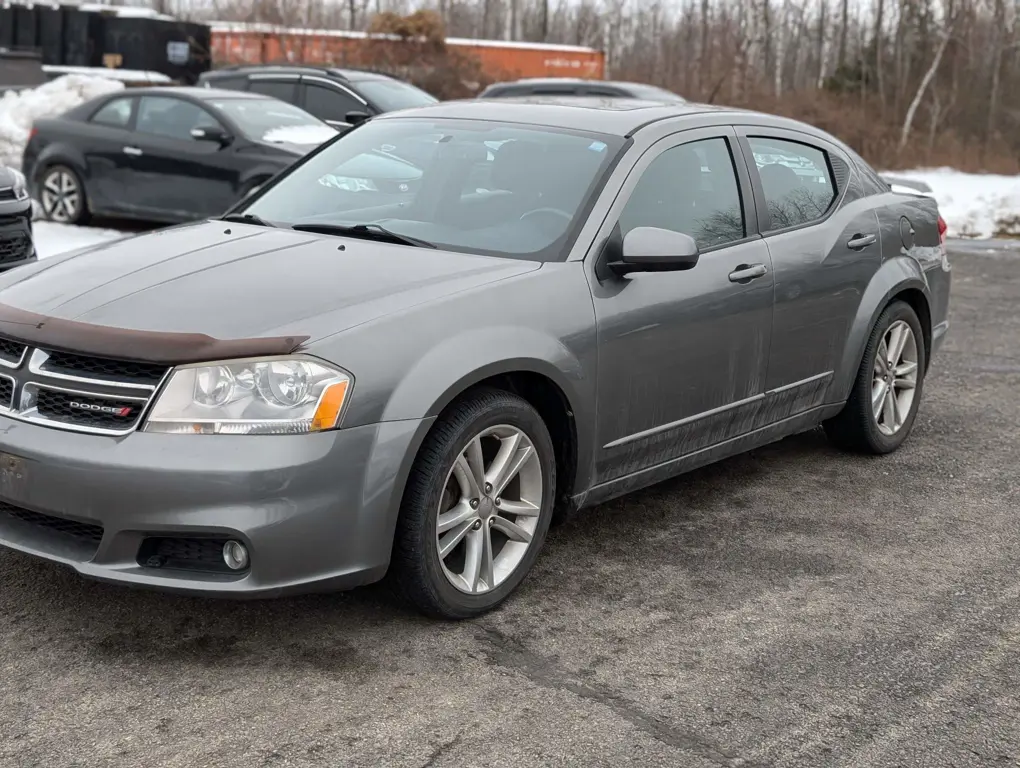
(316, 512)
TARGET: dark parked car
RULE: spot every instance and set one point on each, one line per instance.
(337, 382)
(340, 97)
(563, 87)
(15, 220)
(163, 154)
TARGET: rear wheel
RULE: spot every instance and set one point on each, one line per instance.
(477, 507)
(883, 404)
(62, 196)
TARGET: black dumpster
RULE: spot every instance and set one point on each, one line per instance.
(67, 36)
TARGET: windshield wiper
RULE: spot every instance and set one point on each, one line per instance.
(247, 218)
(368, 231)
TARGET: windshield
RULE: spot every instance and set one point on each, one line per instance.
(484, 187)
(391, 95)
(274, 121)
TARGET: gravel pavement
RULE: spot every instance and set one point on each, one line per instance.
(789, 607)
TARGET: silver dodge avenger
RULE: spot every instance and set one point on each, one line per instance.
(411, 350)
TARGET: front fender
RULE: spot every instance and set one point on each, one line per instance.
(462, 361)
(893, 277)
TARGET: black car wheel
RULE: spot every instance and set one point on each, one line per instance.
(62, 196)
(883, 404)
(476, 508)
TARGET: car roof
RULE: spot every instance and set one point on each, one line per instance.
(609, 115)
(351, 75)
(566, 81)
(202, 94)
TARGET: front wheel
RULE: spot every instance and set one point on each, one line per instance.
(477, 507)
(62, 196)
(880, 412)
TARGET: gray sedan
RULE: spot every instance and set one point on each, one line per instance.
(411, 351)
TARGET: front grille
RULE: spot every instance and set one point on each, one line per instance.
(72, 391)
(183, 554)
(85, 411)
(6, 391)
(121, 371)
(11, 351)
(84, 534)
(15, 247)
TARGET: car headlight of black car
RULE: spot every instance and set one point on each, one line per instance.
(20, 185)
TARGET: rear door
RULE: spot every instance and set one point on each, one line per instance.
(180, 177)
(330, 101)
(823, 236)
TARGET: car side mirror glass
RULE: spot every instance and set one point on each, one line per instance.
(651, 249)
(211, 133)
(356, 116)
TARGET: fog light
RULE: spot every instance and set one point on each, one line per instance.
(235, 555)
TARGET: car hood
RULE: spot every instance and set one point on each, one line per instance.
(233, 281)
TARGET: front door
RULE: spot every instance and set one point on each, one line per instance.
(179, 176)
(683, 355)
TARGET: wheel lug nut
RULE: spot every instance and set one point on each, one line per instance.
(491, 521)
(497, 501)
(488, 487)
(474, 503)
(477, 525)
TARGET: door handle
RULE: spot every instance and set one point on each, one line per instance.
(860, 242)
(133, 151)
(747, 272)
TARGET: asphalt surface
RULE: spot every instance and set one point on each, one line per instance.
(790, 607)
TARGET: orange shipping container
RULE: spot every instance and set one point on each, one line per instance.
(500, 60)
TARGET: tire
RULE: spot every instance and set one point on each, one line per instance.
(857, 427)
(439, 586)
(62, 196)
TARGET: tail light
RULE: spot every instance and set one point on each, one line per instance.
(32, 133)
(943, 227)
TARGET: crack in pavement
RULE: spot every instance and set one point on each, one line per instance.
(509, 653)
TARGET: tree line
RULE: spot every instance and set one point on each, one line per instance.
(906, 82)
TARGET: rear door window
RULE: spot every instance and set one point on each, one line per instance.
(796, 179)
(328, 103)
(284, 90)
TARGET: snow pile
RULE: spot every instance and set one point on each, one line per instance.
(312, 135)
(973, 204)
(19, 109)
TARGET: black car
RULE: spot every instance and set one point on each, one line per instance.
(164, 154)
(15, 220)
(570, 86)
(340, 97)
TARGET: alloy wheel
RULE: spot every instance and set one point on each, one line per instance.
(61, 197)
(490, 508)
(894, 381)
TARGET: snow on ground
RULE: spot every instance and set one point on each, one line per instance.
(52, 239)
(973, 204)
(19, 109)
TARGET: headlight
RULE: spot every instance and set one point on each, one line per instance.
(273, 396)
(20, 185)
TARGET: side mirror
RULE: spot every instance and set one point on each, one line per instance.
(211, 133)
(650, 249)
(356, 116)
